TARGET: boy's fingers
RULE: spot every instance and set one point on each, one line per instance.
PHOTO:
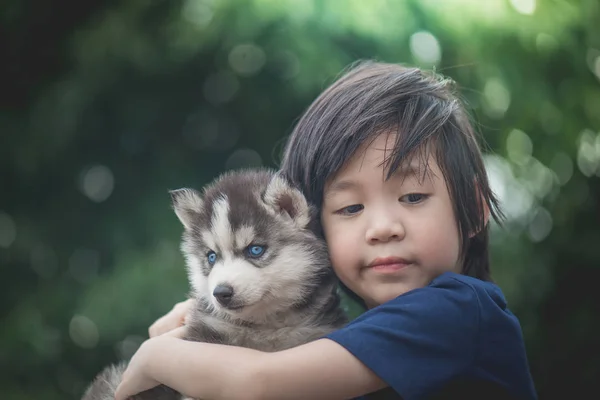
(164, 325)
(177, 333)
(172, 320)
(186, 306)
(159, 327)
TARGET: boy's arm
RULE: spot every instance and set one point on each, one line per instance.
(320, 369)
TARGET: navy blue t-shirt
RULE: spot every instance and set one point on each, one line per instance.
(455, 335)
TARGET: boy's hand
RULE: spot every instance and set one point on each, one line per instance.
(136, 378)
(172, 320)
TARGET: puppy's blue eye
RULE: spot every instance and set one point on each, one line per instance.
(212, 257)
(255, 251)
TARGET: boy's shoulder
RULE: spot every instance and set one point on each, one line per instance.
(487, 294)
(457, 329)
(451, 302)
(465, 280)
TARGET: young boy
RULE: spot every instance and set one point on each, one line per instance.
(388, 156)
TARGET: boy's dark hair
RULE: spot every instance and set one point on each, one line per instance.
(373, 98)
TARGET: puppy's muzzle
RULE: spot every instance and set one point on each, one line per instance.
(223, 294)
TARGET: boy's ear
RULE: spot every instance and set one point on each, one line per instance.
(486, 212)
(187, 203)
(483, 209)
(287, 201)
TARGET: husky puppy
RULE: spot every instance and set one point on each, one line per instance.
(260, 274)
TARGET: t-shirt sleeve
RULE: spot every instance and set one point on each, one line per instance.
(418, 341)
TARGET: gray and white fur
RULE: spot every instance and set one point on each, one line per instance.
(260, 275)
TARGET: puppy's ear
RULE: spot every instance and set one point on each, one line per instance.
(187, 203)
(287, 201)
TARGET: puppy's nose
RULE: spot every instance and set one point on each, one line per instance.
(223, 293)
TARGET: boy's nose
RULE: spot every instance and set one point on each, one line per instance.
(384, 229)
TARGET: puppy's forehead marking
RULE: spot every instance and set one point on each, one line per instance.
(220, 225)
(209, 240)
(244, 236)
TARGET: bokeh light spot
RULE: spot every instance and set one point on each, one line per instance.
(8, 230)
(562, 165)
(497, 98)
(425, 48)
(540, 225)
(247, 59)
(588, 154)
(126, 348)
(285, 64)
(83, 332)
(519, 146)
(537, 177)
(97, 183)
(515, 199)
(198, 12)
(243, 158)
(526, 7)
(545, 43)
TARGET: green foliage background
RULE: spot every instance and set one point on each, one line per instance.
(106, 105)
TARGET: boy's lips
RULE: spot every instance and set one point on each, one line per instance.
(388, 264)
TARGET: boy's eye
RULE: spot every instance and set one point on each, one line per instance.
(353, 209)
(211, 256)
(413, 198)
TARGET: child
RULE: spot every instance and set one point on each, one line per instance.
(391, 160)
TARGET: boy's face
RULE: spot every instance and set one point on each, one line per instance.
(388, 237)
